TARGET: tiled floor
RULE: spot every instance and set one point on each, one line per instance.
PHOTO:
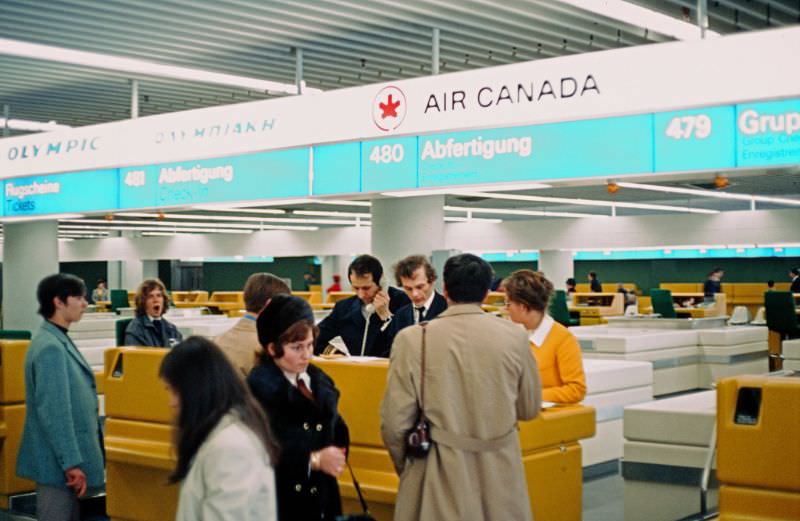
(602, 499)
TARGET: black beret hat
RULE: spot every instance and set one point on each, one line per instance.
(280, 314)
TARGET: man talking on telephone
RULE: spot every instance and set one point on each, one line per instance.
(363, 319)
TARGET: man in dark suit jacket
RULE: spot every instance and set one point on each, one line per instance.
(416, 276)
(362, 320)
(794, 273)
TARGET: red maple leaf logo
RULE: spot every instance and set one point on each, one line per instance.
(389, 108)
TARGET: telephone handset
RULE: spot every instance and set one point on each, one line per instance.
(370, 308)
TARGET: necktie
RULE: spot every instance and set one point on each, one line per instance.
(304, 390)
(420, 313)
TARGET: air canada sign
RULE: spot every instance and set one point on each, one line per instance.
(524, 92)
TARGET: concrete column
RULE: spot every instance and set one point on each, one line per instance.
(30, 253)
(438, 260)
(557, 266)
(131, 272)
(404, 226)
(334, 265)
(114, 274)
(150, 269)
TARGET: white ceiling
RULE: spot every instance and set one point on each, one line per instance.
(344, 43)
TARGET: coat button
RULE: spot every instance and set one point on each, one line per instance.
(305, 426)
(298, 487)
(319, 427)
(313, 490)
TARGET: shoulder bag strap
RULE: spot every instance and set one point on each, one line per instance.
(358, 490)
(422, 374)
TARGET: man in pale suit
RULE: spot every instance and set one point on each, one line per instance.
(480, 380)
(240, 343)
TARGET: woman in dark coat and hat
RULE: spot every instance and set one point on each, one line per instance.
(301, 403)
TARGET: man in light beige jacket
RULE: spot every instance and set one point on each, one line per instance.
(480, 380)
(240, 343)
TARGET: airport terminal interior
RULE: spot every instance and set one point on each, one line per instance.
(644, 155)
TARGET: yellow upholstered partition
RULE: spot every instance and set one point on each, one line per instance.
(682, 287)
(12, 416)
(758, 454)
(138, 437)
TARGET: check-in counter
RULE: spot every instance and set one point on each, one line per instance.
(683, 359)
(666, 447)
(758, 454)
(188, 299)
(607, 287)
(594, 307)
(138, 437)
(692, 305)
(12, 417)
(791, 355)
(610, 386)
(550, 450)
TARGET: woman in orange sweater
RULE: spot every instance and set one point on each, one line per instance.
(556, 349)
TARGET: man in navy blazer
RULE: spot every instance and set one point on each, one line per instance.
(362, 320)
(62, 447)
(416, 276)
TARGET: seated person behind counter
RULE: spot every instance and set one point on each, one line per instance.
(363, 319)
(149, 329)
(556, 350)
(416, 276)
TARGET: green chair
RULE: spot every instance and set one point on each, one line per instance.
(119, 299)
(781, 315)
(559, 310)
(121, 326)
(662, 303)
(14, 334)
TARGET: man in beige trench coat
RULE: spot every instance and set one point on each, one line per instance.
(480, 380)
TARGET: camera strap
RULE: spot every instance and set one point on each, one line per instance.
(358, 489)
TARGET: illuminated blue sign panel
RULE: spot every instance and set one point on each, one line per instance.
(61, 193)
(768, 133)
(337, 169)
(264, 175)
(696, 139)
(554, 151)
(389, 164)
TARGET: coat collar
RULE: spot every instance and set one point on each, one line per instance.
(279, 388)
(462, 309)
(68, 345)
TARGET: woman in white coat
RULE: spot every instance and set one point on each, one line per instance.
(226, 452)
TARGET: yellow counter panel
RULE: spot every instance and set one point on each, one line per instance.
(551, 453)
(758, 454)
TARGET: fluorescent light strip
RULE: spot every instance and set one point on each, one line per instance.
(341, 202)
(508, 211)
(320, 213)
(209, 208)
(225, 218)
(53, 217)
(141, 67)
(32, 126)
(416, 192)
(592, 202)
(152, 228)
(641, 17)
(253, 227)
(708, 193)
(471, 220)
